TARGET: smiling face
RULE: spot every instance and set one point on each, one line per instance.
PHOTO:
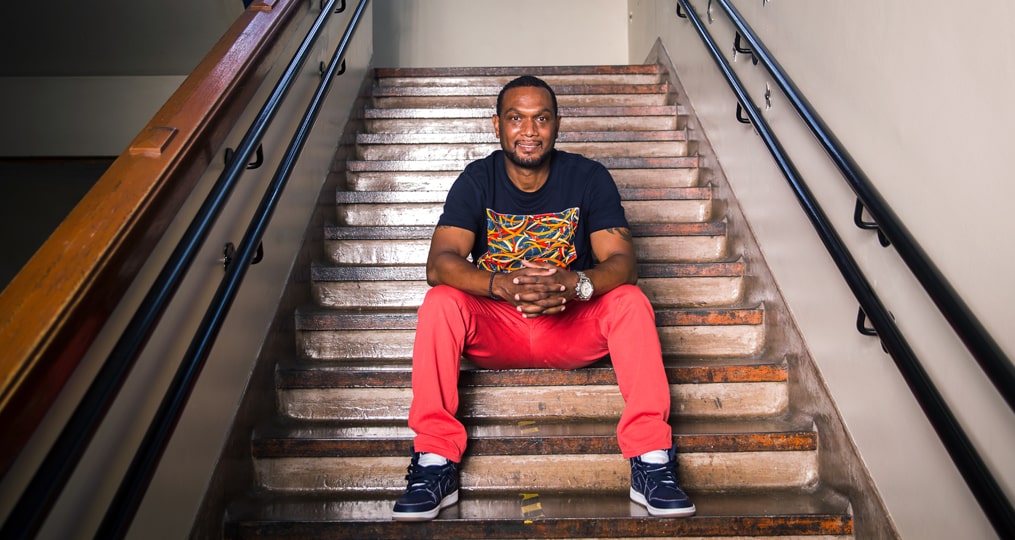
(527, 127)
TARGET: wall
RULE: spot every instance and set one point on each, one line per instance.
(453, 33)
(917, 94)
(82, 78)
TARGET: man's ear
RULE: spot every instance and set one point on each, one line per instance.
(496, 125)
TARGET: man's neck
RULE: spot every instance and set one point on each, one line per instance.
(525, 179)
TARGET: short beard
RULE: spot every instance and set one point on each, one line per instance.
(534, 163)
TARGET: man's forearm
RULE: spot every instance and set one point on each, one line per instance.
(617, 270)
(452, 270)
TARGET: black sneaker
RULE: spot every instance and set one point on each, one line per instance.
(429, 490)
(654, 486)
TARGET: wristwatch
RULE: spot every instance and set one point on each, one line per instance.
(583, 291)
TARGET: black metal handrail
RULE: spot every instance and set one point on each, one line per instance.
(978, 477)
(38, 498)
(979, 342)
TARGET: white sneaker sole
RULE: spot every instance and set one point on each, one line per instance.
(450, 499)
(662, 512)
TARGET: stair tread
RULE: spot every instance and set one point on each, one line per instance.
(491, 138)
(398, 374)
(528, 437)
(817, 511)
(480, 71)
(325, 272)
(374, 113)
(313, 318)
(420, 232)
(438, 197)
(560, 90)
(457, 165)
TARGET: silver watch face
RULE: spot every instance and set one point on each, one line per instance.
(584, 289)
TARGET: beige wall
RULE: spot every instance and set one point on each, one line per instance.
(918, 94)
(452, 33)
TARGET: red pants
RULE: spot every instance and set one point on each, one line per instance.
(494, 335)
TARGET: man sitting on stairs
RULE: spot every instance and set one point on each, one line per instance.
(550, 284)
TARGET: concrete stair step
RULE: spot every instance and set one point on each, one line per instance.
(731, 515)
(612, 89)
(499, 76)
(380, 391)
(442, 180)
(414, 208)
(666, 285)
(615, 136)
(669, 242)
(578, 95)
(537, 455)
(471, 151)
(479, 120)
(457, 165)
(691, 332)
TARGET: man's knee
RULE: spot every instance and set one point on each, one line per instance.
(444, 295)
(630, 295)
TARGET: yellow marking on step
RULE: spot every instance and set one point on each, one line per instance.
(533, 509)
(528, 426)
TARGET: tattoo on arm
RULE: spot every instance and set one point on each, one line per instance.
(624, 232)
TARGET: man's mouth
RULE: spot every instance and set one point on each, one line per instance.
(528, 146)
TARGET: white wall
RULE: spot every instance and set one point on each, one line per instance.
(918, 94)
(455, 33)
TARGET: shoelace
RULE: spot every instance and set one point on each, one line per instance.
(659, 473)
(423, 476)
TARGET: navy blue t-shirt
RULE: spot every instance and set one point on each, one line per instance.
(552, 224)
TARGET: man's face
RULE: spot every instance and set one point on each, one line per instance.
(527, 127)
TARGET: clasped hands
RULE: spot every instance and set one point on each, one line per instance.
(537, 289)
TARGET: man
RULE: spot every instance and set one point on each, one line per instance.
(554, 267)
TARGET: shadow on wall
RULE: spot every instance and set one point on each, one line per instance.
(35, 196)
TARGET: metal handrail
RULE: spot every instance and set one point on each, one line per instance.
(38, 498)
(997, 366)
(978, 477)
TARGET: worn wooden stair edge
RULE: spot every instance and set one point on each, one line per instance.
(326, 272)
(398, 374)
(346, 439)
(457, 165)
(816, 511)
(452, 113)
(491, 138)
(315, 319)
(419, 232)
(437, 197)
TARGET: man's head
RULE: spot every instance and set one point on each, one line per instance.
(526, 81)
(526, 121)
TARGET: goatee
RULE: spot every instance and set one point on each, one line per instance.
(530, 163)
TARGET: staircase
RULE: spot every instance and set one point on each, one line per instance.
(543, 460)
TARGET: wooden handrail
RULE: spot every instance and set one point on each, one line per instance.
(55, 307)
